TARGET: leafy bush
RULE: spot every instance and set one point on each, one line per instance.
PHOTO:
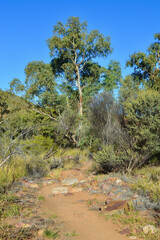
(107, 159)
(38, 144)
(142, 116)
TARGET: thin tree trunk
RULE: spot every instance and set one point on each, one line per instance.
(67, 95)
(80, 92)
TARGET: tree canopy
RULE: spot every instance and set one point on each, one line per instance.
(147, 66)
(73, 47)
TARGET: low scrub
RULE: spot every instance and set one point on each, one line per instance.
(11, 172)
(36, 166)
(108, 160)
(148, 182)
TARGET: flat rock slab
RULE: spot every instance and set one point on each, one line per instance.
(70, 181)
(59, 190)
(116, 205)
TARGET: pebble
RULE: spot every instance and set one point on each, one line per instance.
(149, 229)
(59, 190)
(70, 181)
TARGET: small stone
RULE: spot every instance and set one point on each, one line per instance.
(70, 181)
(40, 232)
(135, 195)
(19, 225)
(125, 231)
(111, 194)
(149, 229)
(132, 237)
(118, 181)
(34, 186)
(59, 190)
(75, 190)
(27, 225)
(22, 225)
(51, 195)
(82, 181)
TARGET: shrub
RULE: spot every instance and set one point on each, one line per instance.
(38, 144)
(11, 172)
(36, 166)
(107, 159)
(142, 115)
(148, 182)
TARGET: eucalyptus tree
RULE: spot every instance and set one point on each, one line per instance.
(147, 65)
(72, 48)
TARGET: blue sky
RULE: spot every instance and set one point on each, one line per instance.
(26, 24)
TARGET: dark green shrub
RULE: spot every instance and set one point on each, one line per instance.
(108, 160)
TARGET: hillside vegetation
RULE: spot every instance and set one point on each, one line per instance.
(69, 106)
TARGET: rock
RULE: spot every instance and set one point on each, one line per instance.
(149, 229)
(132, 237)
(23, 225)
(75, 190)
(104, 187)
(82, 181)
(19, 225)
(27, 225)
(135, 195)
(115, 180)
(51, 195)
(59, 190)
(41, 232)
(125, 231)
(111, 194)
(33, 186)
(116, 205)
(118, 181)
(70, 181)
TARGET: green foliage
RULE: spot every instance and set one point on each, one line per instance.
(74, 36)
(51, 234)
(142, 116)
(11, 172)
(41, 198)
(40, 83)
(71, 234)
(147, 66)
(3, 105)
(148, 182)
(37, 166)
(112, 76)
(16, 86)
(128, 88)
(38, 144)
(11, 211)
(74, 49)
(108, 159)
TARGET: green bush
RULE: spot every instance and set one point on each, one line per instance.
(142, 116)
(108, 160)
(38, 144)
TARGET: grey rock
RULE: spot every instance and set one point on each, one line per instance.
(70, 181)
(59, 190)
(149, 229)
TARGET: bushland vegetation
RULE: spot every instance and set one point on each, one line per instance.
(69, 105)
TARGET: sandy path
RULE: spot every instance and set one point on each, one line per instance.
(76, 216)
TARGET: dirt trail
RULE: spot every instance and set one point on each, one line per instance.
(76, 216)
